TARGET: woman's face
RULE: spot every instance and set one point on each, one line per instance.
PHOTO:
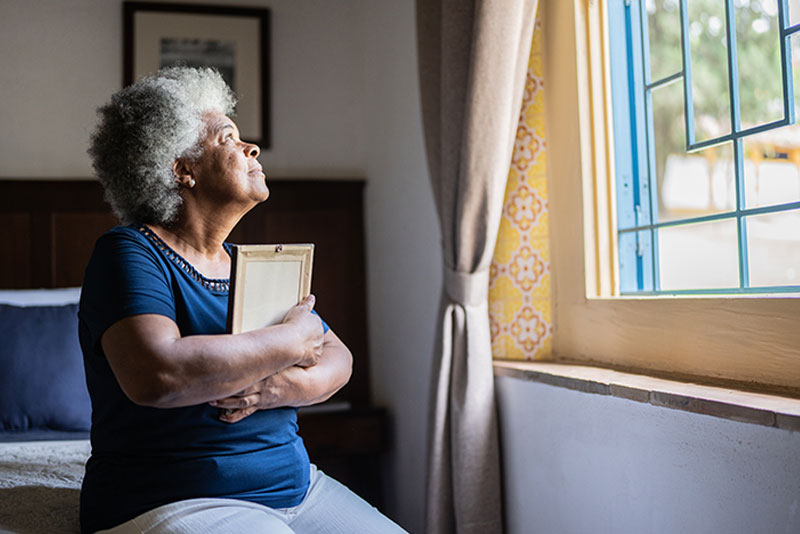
(228, 169)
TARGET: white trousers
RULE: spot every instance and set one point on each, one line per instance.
(328, 508)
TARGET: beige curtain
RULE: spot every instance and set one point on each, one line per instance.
(473, 57)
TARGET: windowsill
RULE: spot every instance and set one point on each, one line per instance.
(756, 408)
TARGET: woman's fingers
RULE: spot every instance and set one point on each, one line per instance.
(234, 416)
(309, 302)
(255, 388)
(237, 402)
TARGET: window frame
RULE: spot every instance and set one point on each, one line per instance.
(744, 341)
(640, 217)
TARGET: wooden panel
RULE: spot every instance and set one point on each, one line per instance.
(15, 269)
(359, 431)
(74, 235)
(67, 214)
(51, 195)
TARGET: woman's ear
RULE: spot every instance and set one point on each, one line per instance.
(183, 174)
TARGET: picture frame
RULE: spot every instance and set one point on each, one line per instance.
(266, 282)
(234, 40)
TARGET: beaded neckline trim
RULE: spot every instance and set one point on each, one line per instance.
(214, 284)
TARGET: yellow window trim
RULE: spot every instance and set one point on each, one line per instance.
(748, 342)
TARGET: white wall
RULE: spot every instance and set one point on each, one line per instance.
(59, 60)
(577, 462)
(404, 258)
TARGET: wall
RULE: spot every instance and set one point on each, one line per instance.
(61, 60)
(404, 258)
(577, 462)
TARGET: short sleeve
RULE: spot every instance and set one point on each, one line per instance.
(325, 326)
(124, 278)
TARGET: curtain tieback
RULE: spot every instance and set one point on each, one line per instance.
(467, 289)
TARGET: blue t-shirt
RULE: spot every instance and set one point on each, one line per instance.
(144, 457)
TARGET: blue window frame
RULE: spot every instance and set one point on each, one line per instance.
(655, 236)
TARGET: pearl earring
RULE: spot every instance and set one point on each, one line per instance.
(191, 182)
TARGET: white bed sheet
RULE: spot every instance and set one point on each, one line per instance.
(40, 297)
(40, 486)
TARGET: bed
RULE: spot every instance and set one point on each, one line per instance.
(45, 413)
(40, 485)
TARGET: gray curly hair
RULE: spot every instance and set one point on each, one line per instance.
(144, 129)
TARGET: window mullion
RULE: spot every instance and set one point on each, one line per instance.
(688, 99)
(736, 127)
(787, 77)
(650, 190)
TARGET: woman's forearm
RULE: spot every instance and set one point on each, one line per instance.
(157, 367)
(312, 385)
(207, 367)
(294, 386)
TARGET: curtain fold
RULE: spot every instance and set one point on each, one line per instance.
(473, 58)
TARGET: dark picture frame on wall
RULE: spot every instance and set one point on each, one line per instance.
(234, 40)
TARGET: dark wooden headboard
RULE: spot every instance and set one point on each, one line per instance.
(50, 226)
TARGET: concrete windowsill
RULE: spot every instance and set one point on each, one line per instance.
(756, 408)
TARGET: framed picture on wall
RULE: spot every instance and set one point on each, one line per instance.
(234, 40)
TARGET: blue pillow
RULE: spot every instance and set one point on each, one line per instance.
(42, 382)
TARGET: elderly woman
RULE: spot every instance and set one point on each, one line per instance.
(195, 430)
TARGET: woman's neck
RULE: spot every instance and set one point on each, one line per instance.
(199, 241)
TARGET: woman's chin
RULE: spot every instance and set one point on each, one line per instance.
(262, 193)
(259, 189)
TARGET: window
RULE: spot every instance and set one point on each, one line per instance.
(707, 155)
(734, 338)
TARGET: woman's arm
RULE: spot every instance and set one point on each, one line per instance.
(157, 367)
(294, 386)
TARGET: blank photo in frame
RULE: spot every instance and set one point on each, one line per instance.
(234, 40)
(266, 282)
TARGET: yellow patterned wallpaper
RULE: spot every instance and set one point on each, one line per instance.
(520, 307)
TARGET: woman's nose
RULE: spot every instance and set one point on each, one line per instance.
(252, 151)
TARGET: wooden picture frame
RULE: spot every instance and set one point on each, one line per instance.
(266, 282)
(235, 40)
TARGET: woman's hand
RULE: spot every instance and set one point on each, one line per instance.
(293, 386)
(275, 391)
(309, 332)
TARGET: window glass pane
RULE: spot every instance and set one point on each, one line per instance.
(669, 136)
(688, 185)
(698, 184)
(699, 256)
(759, 61)
(772, 167)
(709, 68)
(773, 244)
(794, 12)
(664, 38)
